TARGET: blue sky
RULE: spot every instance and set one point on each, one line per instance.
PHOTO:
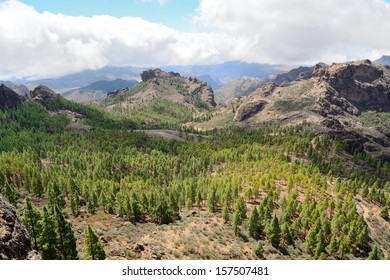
(173, 13)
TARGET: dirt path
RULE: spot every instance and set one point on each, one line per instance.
(172, 134)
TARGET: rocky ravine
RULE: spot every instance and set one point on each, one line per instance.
(15, 243)
(332, 98)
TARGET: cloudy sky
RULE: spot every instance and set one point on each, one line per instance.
(47, 38)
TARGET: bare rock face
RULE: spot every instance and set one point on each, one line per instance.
(9, 98)
(249, 109)
(149, 74)
(15, 243)
(361, 83)
(43, 95)
(207, 95)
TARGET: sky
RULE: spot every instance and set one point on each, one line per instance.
(46, 38)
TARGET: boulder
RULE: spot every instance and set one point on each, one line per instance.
(43, 95)
(247, 110)
(15, 242)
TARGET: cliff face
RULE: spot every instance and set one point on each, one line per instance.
(9, 98)
(15, 243)
(334, 98)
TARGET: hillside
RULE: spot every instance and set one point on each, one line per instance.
(163, 98)
(295, 187)
(98, 90)
(335, 99)
(236, 88)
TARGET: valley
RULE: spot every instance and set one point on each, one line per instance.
(296, 170)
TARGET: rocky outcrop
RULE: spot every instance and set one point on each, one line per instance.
(249, 109)
(117, 92)
(9, 98)
(149, 74)
(207, 95)
(43, 95)
(361, 83)
(300, 73)
(15, 243)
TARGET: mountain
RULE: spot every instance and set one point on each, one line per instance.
(9, 98)
(97, 90)
(350, 101)
(18, 88)
(163, 97)
(228, 71)
(383, 60)
(87, 77)
(236, 88)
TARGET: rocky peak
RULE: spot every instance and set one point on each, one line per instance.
(15, 243)
(360, 82)
(43, 95)
(9, 98)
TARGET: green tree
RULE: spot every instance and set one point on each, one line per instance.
(274, 232)
(374, 254)
(254, 225)
(93, 247)
(237, 221)
(66, 239)
(32, 221)
(48, 239)
(225, 214)
(259, 250)
(384, 213)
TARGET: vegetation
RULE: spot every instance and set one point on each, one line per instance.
(276, 186)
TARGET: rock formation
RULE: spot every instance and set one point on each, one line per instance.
(9, 98)
(43, 95)
(15, 243)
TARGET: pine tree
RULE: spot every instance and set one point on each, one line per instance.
(240, 206)
(374, 254)
(274, 232)
(32, 221)
(10, 194)
(259, 250)
(384, 213)
(48, 238)
(66, 238)
(75, 204)
(254, 228)
(93, 247)
(286, 234)
(225, 214)
(212, 200)
(237, 221)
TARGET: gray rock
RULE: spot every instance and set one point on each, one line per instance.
(15, 242)
(9, 98)
(247, 110)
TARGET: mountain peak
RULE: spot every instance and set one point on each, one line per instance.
(8, 97)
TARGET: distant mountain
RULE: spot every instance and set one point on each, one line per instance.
(97, 90)
(87, 77)
(236, 88)
(18, 88)
(228, 71)
(383, 60)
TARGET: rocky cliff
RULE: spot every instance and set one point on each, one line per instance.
(9, 98)
(15, 243)
(43, 95)
(334, 98)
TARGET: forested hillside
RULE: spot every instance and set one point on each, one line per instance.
(112, 192)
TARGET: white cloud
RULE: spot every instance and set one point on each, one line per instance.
(35, 45)
(301, 31)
